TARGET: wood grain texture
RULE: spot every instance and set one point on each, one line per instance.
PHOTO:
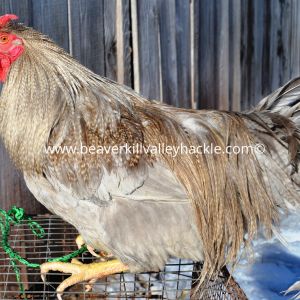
(127, 46)
(135, 45)
(123, 42)
(255, 91)
(168, 50)
(275, 54)
(205, 54)
(247, 52)
(222, 55)
(194, 27)
(149, 48)
(295, 38)
(119, 40)
(87, 26)
(110, 49)
(21, 8)
(270, 56)
(46, 13)
(175, 50)
(183, 46)
(234, 55)
(266, 63)
(285, 35)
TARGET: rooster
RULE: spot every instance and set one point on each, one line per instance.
(143, 206)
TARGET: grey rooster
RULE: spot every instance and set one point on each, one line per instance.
(143, 206)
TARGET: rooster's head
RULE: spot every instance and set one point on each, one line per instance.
(11, 46)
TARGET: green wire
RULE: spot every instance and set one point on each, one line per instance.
(16, 216)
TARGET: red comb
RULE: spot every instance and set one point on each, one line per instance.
(6, 18)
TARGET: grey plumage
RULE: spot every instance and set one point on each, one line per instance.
(145, 207)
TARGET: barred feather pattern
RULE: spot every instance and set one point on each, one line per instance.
(49, 99)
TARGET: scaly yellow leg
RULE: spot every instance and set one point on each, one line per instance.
(82, 272)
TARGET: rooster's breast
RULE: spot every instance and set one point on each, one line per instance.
(141, 232)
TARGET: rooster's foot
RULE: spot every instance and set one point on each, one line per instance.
(82, 272)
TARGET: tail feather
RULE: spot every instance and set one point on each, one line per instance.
(284, 101)
(281, 104)
(294, 288)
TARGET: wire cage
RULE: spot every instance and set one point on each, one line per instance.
(176, 281)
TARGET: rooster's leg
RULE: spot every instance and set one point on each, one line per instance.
(82, 272)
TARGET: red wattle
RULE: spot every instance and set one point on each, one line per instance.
(7, 59)
(4, 67)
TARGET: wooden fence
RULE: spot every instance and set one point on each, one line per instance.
(223, 54)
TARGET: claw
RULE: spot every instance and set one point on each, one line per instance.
(80, 242)
(59, 296)
(89, 285)
(43, 277)
(82, 272)
(92, 251)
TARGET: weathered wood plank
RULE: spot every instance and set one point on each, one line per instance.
(256, 68)
(135, 45)
(195, 25)
(235, 55)
(110, 49)
(266, 62)
(149, 48)
(51, 18)
(124, 48)
(222, 54)
(275, 54)
(127, 40)
(254, 52)
(119, 41)
(21, 8)
(247, 50)
(168, 50)
(183, 46)
(286, 26)
(255, 56)
(295, 39)
(207, 55)
(87, 28)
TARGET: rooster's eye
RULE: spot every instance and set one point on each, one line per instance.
(3, 39)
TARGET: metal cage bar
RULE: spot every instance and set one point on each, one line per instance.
(174, 282)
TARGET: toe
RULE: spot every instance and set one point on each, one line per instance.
(79, 241)
(89, 285)
(92, 251)
(68, 282)
(61, 267)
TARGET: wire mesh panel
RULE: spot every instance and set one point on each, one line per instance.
(176, 281)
